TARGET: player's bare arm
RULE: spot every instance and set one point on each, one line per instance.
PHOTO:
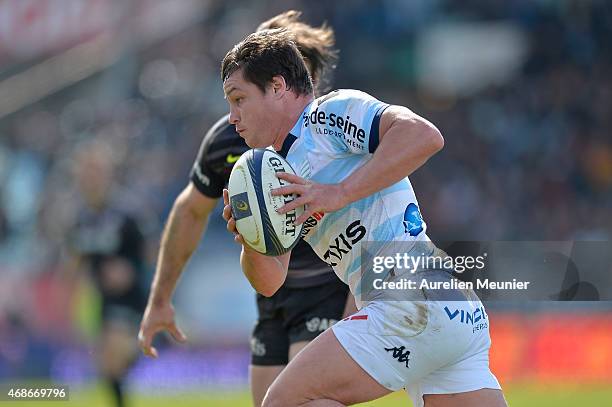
(180, 238)
(265, 273)
(407, 141)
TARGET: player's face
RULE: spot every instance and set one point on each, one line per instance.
(253, 112)
(93, 172)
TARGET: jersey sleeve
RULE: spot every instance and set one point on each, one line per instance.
(207, 181)
(348, 120)
(209, 173)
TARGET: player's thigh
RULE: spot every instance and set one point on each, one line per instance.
(269, 338)
(118, 349)
(261, 377)
(269, 346)
(323, 370)
(477, 398)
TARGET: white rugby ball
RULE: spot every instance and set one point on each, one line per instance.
(254, 208)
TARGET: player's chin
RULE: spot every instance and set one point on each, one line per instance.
(248, 140)
(253, 142)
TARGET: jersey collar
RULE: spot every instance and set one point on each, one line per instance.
(294, 133)
(289, 140)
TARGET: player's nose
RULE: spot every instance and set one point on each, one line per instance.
(234, 117)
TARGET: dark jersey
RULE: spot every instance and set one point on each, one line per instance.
(219, 151)
(111, 241)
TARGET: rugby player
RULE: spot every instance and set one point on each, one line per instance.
(107, 240)
(311, 299)
(353, 154)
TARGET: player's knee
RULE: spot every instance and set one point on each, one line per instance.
(482, 397)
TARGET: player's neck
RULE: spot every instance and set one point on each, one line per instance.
(294, 108)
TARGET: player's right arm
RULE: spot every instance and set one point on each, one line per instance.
(182, 233)
(218, 152)
(186, 223)
(265, 273)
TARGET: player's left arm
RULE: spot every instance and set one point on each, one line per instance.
(265, 273)
(406, 142)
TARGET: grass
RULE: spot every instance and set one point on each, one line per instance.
(556, 395)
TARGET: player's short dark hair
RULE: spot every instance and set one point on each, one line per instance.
(265, 54)
(316, 44)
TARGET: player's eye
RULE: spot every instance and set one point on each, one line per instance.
(238, 100)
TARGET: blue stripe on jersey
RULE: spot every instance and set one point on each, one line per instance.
(374, 130)
(331, 218)
(402, 185)
(388, 230)
(344, 166)
(355, 266)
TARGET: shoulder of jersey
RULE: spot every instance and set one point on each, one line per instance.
(340, 95)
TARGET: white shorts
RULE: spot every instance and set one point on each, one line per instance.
(426, 347)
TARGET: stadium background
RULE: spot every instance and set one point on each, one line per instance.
(521, 90)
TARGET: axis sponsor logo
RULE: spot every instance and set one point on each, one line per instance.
(344, 243)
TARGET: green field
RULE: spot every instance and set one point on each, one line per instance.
(517, 395)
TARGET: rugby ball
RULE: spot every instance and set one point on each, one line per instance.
(254, 208)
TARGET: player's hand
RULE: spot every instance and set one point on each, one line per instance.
(231, 222)
(157, 318)
(317, 197)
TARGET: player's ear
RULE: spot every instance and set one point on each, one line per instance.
(278, 85)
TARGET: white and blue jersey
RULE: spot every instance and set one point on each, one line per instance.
(410, 341)
(335, 135)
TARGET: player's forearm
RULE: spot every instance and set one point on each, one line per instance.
(266, 274)
(406, 146)
(179, 240)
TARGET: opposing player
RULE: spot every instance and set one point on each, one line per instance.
(106, 239)
(353, 154)
(312, 297)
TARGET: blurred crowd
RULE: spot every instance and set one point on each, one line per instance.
(529, 158)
